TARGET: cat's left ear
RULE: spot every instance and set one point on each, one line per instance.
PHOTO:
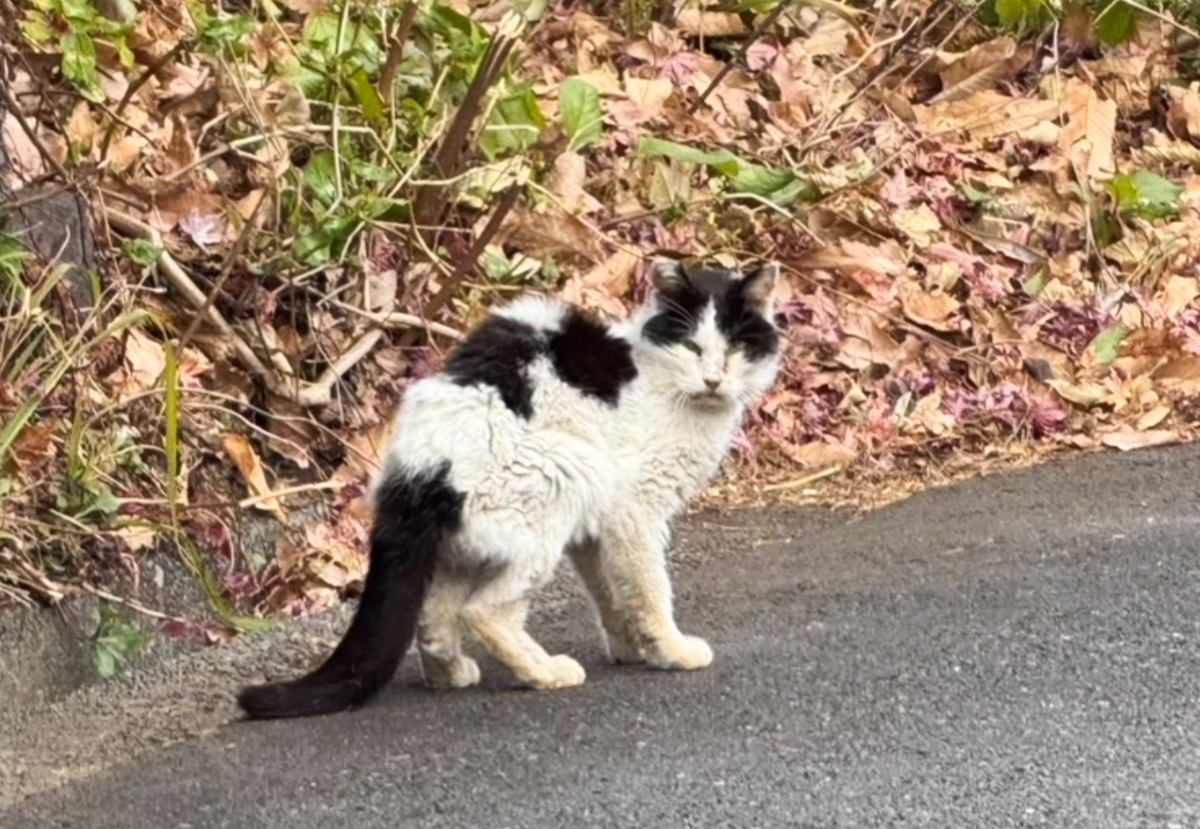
(758, 285)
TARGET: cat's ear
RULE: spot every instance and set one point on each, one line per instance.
(758, 285)
(668, 275)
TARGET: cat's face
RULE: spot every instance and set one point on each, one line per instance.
(712, 333)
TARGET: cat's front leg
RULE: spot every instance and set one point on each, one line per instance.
(622, 644)
(634, 564)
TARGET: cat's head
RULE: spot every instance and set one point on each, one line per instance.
(711, 333)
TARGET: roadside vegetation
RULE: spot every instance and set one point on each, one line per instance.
(988, 215)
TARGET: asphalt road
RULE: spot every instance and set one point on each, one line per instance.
(1019, 651)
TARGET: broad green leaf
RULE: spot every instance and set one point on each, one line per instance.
(321, 177)
(466, 39)
(1107, 344)
(1146, 194)
(1022, 14)
(79, 65)
(220, 33)
(36, 28)
(516, 123)
(723, 161)
(760, 181)
(781, 187)
(582, 114)
(368, 98)
(1117, 24)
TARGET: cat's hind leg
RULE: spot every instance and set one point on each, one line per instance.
(439, 637)
(500, 626)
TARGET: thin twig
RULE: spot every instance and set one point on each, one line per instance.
(129, 603)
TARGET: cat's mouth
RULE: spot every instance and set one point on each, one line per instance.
(710, 399)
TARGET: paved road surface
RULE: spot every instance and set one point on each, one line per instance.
(1020, 651)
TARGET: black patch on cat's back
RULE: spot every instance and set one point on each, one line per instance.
(589, 358)
(498, 354)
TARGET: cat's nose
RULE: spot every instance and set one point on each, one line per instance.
(712, 383)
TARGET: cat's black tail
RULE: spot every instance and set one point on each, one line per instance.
(414, 515)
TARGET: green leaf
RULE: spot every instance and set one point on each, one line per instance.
(142, 252)
(368, 98)
(1146, 194)
(222, 33)
(515, 125)
(106, 663)
(781, 187)
(466, 39)
(1117, 24)
(1107, 344)
(723, 161)
(1022, 14)
(79, 65)
(320, 174)
(582, 114)
(760, 181)
(36, 28)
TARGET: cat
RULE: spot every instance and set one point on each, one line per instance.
(548, 433)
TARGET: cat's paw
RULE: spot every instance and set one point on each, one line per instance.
(560, 672)
(685, 653)
(460, 672)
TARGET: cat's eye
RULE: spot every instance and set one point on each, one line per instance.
(691, 346)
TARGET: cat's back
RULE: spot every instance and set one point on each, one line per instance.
(534, 373)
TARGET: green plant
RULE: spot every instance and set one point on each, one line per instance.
(1146, 195)
(1115, 22)
(116, 639)
(73, 27)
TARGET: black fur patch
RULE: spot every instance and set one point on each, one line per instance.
(498, 354)
(588, 357)
(682, 307)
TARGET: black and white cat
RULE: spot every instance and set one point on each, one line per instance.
(548, 432)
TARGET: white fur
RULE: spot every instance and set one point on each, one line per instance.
(581, 477)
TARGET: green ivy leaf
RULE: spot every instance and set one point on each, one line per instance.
(1117, 24)
(582, 114)
(1146, 194)
(515, 125)
(79, 65)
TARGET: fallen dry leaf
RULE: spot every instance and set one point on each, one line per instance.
(1087, 139)
(699, 23)
(1127, 440)
(567, 180)
(819, 455)
(144, 361)
(248, 463)
(934, 310)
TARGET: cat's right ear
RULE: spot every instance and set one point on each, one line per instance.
(668, 275)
